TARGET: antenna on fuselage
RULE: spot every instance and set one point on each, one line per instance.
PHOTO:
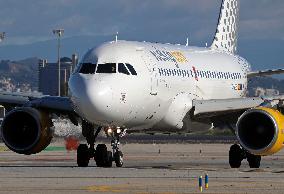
(187, 41)
(116, 37)
(206, 44)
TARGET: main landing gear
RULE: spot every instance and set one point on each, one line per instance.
(237, 154)
(101, 155)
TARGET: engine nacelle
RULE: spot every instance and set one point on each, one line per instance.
(27, 130)
(261, 131)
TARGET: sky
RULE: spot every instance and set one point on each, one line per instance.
(32, 21)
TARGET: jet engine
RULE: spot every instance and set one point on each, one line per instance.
(27, 130)
(260, 131)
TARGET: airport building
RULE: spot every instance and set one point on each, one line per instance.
(48, 75)
(259, 91)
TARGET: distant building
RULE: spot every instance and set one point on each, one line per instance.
(266, 92)
(2, 112)
(48, 75)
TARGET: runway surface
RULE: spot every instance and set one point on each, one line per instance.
(149, 168)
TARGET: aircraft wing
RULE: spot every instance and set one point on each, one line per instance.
(53, 104)
(228, 110)
(265, 73)
(209, 107)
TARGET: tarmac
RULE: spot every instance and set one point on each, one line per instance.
(148, 168)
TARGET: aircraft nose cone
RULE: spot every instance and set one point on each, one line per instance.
(100, 98)
(91, 97)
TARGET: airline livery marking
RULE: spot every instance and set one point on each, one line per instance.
(179, 57)
(166, 56)
(198, 74)
(238, 87)
(195, 74)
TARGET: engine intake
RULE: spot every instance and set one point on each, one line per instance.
(260, 131)
(27, 130)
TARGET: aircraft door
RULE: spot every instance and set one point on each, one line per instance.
(194, 86)
(152, 67)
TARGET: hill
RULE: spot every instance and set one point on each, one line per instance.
(19, 74)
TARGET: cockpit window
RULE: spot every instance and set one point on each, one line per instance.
(87, 68)
(122, 69)
(131, 69)
(106, 68)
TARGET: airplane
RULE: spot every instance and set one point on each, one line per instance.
(124, 86)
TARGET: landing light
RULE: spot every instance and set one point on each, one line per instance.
(118, 130)
(109, 130)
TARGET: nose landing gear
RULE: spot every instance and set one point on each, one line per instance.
(101, 155)
(85, 153)
(117, 155)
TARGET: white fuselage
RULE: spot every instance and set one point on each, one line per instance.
(169, 78)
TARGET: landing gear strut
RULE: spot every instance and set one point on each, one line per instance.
(117, 154)
(237, 154)
(101, 155)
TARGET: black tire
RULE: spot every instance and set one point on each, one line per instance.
(253, 160)
(118, 158)
(103, 157)
(83, 156)
(108, 162)
(235, 156)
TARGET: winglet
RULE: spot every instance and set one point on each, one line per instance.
(226, 36)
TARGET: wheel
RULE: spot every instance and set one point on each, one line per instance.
(83, 157)
(253, 160)
(108, 162)
(118, 158)
(235, 156)
(103, 157)
(101, 152)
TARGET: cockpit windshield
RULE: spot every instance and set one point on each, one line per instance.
(88, 68)
(106, 68)
(123, 68)
(88, 64)
(131, 69)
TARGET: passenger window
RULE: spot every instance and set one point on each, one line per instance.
(106, 68)
(198, 73)
(191, 73)
(122, 69)
(88, 68)
(131, 69)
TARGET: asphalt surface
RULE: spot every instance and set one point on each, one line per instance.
(149, 168)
